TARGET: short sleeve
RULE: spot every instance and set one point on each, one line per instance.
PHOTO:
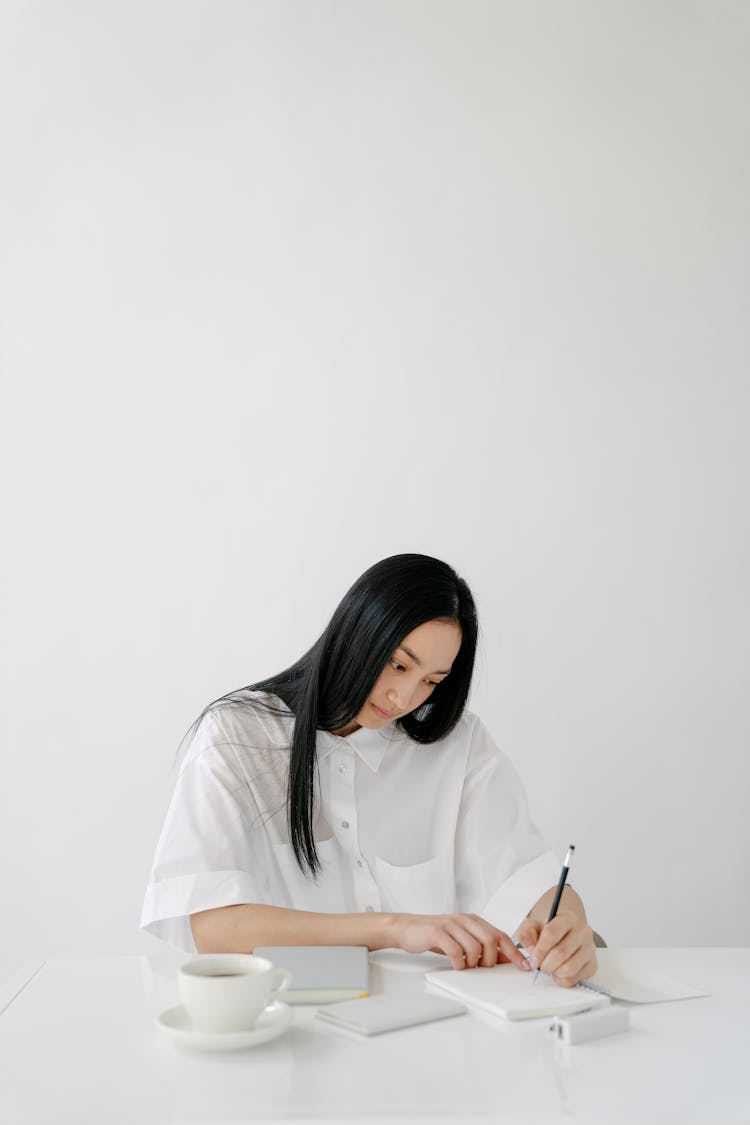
(210, 852)
(502, 864)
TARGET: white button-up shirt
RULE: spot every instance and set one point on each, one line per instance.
(399, 826)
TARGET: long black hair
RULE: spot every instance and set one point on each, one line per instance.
(328, 687)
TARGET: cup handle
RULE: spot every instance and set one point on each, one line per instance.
(286, 980)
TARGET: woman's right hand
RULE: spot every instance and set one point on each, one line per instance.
(466, 938)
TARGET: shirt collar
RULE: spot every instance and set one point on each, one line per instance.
(369, 745)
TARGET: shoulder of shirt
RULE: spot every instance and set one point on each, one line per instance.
(484, 751)
(481, 741)
(470, 725)
(250, 720)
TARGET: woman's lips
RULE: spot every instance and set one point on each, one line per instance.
(383, 714)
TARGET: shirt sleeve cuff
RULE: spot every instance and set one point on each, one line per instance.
(169, 903)
(514, 899)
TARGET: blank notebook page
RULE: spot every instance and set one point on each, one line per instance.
(507, 991)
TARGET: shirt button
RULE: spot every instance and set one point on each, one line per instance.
(369, 909)
(342, 769)
(344, 823)
(359, 863)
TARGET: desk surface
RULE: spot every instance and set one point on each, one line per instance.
(79, 1044)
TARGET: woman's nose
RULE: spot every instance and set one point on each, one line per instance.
(398, 698)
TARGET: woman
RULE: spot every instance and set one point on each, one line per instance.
(352, 800)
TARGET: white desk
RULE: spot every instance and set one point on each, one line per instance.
(79, 1045)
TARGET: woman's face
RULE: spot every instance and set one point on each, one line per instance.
(422, 661)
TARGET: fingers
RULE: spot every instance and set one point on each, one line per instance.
(471, 941)
(448, 945)
(528, 932)
(468, 940)
(578, 968)
(557, 935)
(565, 950)
(496, 945)
(442, 933)
(470, 951)
(508, 951)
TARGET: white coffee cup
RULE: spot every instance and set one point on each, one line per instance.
(228, 991)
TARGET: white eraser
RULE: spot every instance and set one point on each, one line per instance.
(591, 1025)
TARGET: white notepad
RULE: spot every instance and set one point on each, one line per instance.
(507, 991)
(623, 976)
(390, 1012)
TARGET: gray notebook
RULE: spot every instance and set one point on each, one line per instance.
(321, 974)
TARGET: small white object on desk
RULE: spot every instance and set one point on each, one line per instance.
(591, 1025)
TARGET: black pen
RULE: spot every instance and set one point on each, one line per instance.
(559, 891)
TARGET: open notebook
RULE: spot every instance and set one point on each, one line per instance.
(507, 991)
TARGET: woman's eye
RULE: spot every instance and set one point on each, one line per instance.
(397, 666)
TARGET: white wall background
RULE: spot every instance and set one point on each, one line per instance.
(289, 287)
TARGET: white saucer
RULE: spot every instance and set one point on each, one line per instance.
(271, 1022)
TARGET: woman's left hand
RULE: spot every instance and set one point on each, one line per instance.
(564, 947)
